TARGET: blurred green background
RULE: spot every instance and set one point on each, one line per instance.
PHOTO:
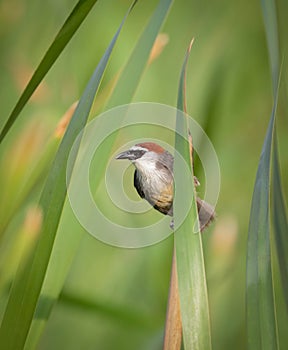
(116, 298)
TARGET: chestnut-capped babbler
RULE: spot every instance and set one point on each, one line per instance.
(153, 179)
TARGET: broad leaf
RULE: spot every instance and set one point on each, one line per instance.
(28, 281)
(188, 244)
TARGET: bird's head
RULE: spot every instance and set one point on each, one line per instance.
(144, 151)
(148, 157)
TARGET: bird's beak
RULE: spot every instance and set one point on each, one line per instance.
(125, 155)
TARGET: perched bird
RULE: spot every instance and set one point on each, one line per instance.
(153, 179)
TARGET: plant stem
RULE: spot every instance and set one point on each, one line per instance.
(173, 326)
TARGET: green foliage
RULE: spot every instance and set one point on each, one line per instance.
(61, 288)
(73, 22)
(261, 317)
(261, 307)
(28, 281)
(188, 244)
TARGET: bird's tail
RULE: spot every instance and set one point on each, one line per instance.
(206, 213)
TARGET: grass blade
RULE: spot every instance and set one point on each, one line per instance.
(279, 212)
(66, 245)
(27, 285)
(189, 253)
(131, 74)
(260, 303)
(270, 21)
(260, 306)
(69, 28)
(280, 221)
(52, 288)
(173, 324)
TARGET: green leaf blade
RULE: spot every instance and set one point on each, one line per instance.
(130, 76)
(260, 305)
(280, 221)
(51, 288)
(270, 21)
(260, 301)
(27, 285)
(188, 244)
(73, 22)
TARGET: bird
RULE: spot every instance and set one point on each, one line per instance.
(153, 180)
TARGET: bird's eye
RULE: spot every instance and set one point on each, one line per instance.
(138, 153)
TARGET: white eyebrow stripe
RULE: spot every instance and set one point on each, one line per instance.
(138, 148)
